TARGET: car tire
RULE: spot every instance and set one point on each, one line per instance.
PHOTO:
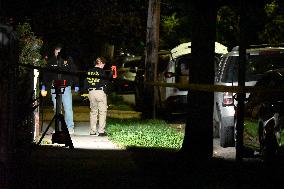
(226, 136)
(268, 141)
(216, 129)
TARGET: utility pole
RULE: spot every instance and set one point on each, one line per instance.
(152, 46)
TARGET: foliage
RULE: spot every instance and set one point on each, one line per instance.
(227, 26)
(170, 23)
(175, 26)
(168, 26)
(88, 26)
(274, 28)
(144, 133)
(29, 53)
(29, 46)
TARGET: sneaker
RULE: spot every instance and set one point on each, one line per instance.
(94, 134)
(71, 131)
(102, 134)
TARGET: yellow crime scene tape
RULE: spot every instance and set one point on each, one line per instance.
(189, 86)
(216, 88)
(85, 95)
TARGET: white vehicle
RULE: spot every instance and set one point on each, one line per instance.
(171, 101)
(177, 71)
(259, 60)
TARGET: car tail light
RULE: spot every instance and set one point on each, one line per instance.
(168, 74)
(228, 99)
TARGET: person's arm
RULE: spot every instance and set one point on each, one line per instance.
(86, 84)
(74, 77)
(46, 76)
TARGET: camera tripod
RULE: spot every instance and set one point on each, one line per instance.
(61, 134)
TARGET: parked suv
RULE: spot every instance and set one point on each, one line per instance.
(259, 60)
(177, 72)
(173, 68)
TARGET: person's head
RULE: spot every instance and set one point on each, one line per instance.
(100, 62)
(57, 49)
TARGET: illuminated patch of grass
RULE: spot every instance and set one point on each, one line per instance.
(251, 134)
(144, 133)
(251, 127)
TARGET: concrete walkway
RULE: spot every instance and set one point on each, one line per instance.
(81, 139)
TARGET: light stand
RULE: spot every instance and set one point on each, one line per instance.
(61, 134)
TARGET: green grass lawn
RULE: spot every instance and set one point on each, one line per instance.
(138, 132)
(144, 133)
(251, 134)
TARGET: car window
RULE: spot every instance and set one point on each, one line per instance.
(256, 65)
(229, 73)
(182, 66)
(269, 81)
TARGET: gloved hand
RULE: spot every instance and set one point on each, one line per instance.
(76, 89)
(43, 91)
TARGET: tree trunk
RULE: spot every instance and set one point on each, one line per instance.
(152, 47)
(198, 140)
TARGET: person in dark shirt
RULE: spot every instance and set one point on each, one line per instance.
(96, 83)
(60, 61)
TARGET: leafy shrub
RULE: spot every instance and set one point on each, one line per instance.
(30, 46)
